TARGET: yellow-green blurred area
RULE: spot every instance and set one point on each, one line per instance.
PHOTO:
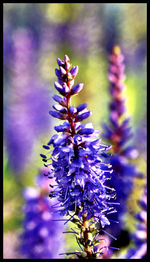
(86, 32)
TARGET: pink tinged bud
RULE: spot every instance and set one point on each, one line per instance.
(114, 69)
(58, 115)
(112, 78)
(114, 116)
(62, 70)
(116, 58)
(74, 71)
(66, 59)
(76, 89)
(120, 58)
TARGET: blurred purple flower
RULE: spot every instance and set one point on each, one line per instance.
(141, 135)
(84, 34)
(118, 133)
(25, 107)
(7, 44)
(139, 238)
(53, 36)
(41, 237)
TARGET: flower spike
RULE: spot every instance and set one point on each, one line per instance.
(80, 166)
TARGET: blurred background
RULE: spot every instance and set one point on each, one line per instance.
(34, 36)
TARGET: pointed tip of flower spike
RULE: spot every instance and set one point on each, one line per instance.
(116, 50)
(66, 58)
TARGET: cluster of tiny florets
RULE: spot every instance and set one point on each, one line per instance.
(78, 159)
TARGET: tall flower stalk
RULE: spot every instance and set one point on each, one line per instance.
(118, 133)
(80, 167)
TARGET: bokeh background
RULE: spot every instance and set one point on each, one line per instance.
(34, 35)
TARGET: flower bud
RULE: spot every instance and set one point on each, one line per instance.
(57, 115)
(81, 107)
(83, 116)
(60, 100)
(86, 131)
(59, 88)
(76, 89)
(74, 71)
(60, 109)
(72, 110)
(59, 62)
(63, 71)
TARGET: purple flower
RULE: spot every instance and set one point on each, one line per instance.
(41, 237)
(79, 167)
(139, 237)
(118, 132)
(141, 135)
(25, 107)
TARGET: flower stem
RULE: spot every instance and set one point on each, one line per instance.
(86, 237)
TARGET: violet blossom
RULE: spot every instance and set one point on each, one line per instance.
(80, 167)
(139, 237)
(41, 237)
(23, 115)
